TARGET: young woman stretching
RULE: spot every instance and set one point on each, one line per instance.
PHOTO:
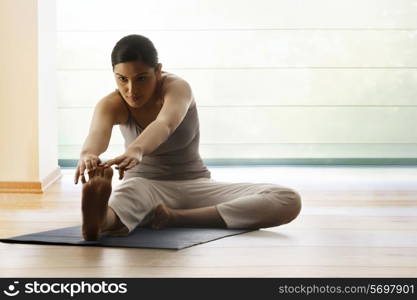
(165, 182)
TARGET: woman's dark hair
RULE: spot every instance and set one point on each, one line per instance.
(134, 47)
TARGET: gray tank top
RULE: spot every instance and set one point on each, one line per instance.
(177, 158)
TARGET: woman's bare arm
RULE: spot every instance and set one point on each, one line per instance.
(177, 100)
(99, 135)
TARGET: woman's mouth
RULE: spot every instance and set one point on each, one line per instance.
(135, 98)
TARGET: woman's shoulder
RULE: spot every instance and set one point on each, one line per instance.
(114, 102)
(171, 77)
(170, 81)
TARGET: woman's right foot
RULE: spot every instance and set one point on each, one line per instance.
(163, 216)
(95, 196)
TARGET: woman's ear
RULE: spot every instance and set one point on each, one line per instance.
(158, 70)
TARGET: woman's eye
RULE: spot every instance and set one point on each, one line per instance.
(142, 78)
(121, 79)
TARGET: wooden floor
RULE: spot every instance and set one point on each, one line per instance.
(355, 222)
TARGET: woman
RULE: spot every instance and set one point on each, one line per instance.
(166, 182)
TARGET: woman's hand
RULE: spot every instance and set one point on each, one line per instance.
(89, 162)
(126, 161)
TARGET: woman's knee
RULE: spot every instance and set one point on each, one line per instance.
(294, 207)
(288, 206)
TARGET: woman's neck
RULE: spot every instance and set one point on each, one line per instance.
(155, 102)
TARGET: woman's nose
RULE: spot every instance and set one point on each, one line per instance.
(131, 89)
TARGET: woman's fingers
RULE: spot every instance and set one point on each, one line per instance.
(91, 173)
(77, 174)
(82, 169)
(88, 165)
(91, 164)
(114, 161)
(91, 167)
(82, 172)
(109, 163)
(121, 173)
(123, 167)
(83, 179)
(124, 163)
(131, 165)
(88, 162)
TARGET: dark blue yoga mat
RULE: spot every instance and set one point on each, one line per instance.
(140, 237)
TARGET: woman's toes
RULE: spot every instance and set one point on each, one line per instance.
(108, 172)
(103, 172)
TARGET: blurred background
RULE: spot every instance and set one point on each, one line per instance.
(273, 80)
(320, 82)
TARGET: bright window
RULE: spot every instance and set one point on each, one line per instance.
(272, 79)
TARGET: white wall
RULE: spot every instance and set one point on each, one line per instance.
(47, 81)
(18, 91)
(28, 116)
(272, 78)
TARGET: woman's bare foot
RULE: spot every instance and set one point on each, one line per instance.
(95, 196)
(163, 217)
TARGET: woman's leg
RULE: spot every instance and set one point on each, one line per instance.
(201, 202)
(197, 217)
(112, 224)
(238, 205)
(134, 203)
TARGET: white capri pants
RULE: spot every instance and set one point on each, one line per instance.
(241, 205)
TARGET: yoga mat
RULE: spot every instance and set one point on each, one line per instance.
(166, 238)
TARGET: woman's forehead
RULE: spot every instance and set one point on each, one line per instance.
(132, 68)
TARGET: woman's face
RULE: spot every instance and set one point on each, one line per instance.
(137, 82)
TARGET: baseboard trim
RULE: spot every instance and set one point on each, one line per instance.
(30, 187)
(21, 187)
(54, 176)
